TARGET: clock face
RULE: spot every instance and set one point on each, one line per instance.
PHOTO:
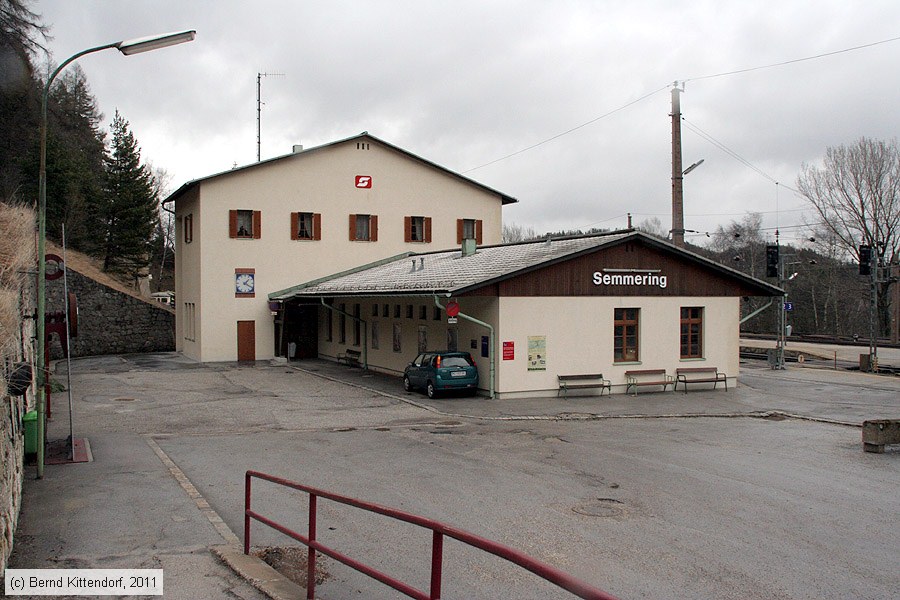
(244, 283)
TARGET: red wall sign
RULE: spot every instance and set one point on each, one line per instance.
(509, 350)
(452, 309)
(363, 181)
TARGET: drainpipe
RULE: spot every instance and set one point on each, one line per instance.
(490, 328)
(365, 332)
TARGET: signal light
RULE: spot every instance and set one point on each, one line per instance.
(772, 260)
(865, 259)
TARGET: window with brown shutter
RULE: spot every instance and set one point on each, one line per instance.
(245, 224)
(363, 228)
(417, 229)
(306, 226)
(469, 229)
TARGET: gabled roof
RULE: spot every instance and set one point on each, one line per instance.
(448, 272)
(302, 153)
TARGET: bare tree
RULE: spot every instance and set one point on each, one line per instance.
(856, 193)
(513, 232)
(653, 226)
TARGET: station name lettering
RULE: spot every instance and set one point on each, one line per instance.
(630, 279)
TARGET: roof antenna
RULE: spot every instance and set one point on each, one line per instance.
(259, 77)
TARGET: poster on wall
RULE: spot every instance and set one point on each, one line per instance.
(537, 353)
(509, 351)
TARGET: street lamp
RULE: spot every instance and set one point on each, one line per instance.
(126, 47)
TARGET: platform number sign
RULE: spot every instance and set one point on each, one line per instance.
(788, 306)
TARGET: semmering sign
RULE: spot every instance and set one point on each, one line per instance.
(630, 277)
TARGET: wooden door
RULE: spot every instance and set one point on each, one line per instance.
(246, 340)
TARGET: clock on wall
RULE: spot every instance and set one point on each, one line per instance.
(244, 283)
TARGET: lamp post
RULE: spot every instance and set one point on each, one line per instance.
(126, 47)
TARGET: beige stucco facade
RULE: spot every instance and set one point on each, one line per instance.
(323, 181)
(578, 333)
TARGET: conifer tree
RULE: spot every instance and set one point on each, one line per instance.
(127, 207)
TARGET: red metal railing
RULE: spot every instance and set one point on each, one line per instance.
(439, 530)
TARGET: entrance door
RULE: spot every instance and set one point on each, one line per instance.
(246, 340)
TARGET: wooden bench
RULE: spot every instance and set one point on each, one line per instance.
(590, 381)
(635, 379)
(351, 357)
(700, 375)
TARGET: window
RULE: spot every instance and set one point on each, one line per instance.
(363, 228)
(398, 335)
(396, 311)
(625, 335)
(423, 312)
(385, 311)
(437, 314)
(306, 226)
(190, 325)
(417, 229)
(374, 310)
(245, 224)
(374, 335)
(409, 311)
(357, 329)
(329, 319)
(189, 229)
(469, 229)
(342, 325)
(423, 338)
(452, 339)
(691, 332)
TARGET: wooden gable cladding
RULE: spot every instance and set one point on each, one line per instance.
(661, 273)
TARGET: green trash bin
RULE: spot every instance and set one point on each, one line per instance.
(29, 424)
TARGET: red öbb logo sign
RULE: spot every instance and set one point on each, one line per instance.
(363, 181)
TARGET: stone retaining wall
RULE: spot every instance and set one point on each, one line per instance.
(111, 321)
(11, 452)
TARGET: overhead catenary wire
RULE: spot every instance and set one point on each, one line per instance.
(656, 91)
(568, 131)
(793, 61)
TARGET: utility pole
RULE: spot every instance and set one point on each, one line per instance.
(874, 263)
(677, 173)
(781, 341)
(259, 77)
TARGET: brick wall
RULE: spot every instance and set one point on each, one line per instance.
(111, 321)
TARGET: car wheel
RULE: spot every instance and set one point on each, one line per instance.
(407, 384)
(429, 389)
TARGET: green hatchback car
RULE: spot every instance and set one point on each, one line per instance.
(442, 371)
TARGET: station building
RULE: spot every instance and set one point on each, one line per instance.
(249, 231)
(531, 311)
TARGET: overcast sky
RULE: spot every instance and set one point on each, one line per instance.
(464, 83)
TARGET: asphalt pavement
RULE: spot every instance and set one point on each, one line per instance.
(756, 492)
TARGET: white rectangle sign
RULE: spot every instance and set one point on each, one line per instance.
(84, 582)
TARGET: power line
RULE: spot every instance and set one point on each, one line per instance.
(795, 60)
(721, 146)
(568, 131)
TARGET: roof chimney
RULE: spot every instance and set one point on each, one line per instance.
(468, 247)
